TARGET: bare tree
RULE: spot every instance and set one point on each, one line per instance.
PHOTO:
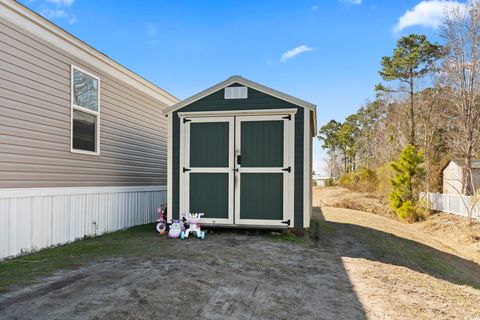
(433, 113)
(461, 71)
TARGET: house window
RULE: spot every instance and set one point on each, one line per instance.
(85, 104)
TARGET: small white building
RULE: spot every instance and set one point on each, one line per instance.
(453, 177)
(320, 181)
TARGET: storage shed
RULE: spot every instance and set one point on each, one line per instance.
(453, 177)
(241, 153)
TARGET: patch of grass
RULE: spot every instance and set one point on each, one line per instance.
(130, 242)
(289, 236)
(320, 230)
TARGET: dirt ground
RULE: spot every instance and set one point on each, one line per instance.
(226, 276)
(449, 232)
(363, 266)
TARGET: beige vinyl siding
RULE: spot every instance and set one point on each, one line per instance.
(35, 122)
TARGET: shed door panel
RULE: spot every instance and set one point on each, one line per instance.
(262, 143)
(261, 196)
(206, 173)
(264, 170)
(209, 194)
(209, 144)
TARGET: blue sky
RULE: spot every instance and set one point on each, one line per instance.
(325, 51)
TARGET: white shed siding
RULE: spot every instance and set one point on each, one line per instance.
(453, 176)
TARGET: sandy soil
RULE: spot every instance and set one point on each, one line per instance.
(388, 285)
(226, 276)
(455, 234)
(365, 266)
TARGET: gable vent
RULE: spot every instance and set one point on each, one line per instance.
(236, 93)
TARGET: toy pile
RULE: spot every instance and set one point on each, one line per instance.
(179, 228)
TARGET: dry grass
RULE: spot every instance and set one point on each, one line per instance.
(400, 271)
(451, 230)
(339, 197)
(456, 231)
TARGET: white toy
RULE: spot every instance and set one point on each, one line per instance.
(176, 229)
(193, 220)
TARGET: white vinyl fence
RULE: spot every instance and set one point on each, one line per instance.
(451, 203)
(31, 219)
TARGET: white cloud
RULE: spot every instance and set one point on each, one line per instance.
(65, 3)
(352, 2)
(294, 52)
(72, 19)
(314, 8)
(58, 14)
(56, 9)
(53, 14)
(428, 13)
(152, 31)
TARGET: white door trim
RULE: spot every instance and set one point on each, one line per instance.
(307, 170)
(185, 162)
(288, 177)
(224, 113)
(170, 167)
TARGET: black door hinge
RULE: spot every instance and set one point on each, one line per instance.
(185, 120)
(185, 169)
(289, 117)
(289, 169)
(286, 222)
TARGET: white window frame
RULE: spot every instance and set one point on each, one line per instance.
(73, 107)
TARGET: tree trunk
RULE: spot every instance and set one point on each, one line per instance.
(412, 114)
(466, 185)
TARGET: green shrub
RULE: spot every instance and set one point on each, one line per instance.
(361, 180)
(408, 175)
(330, 182)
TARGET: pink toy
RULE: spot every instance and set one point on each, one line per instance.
(193, 220)
(161, 226)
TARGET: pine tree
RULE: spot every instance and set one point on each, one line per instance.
(408, 174)
(413, 58)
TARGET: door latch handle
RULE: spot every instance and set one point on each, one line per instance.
(239, 159)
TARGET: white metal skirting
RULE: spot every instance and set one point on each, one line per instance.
(32, 219)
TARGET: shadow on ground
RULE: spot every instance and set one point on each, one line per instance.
(138, 274)
(349, 240)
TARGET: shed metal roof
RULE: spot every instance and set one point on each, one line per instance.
(475, 163)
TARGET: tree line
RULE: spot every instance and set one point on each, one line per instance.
(426, 113)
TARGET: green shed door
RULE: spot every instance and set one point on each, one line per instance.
(206, 168)
(264, 170)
